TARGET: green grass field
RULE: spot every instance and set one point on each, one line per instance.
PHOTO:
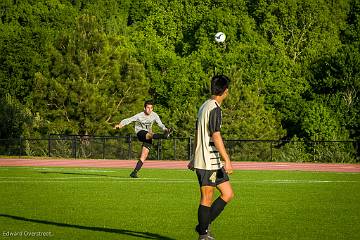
(92, 203)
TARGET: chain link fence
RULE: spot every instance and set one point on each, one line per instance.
(177, 148)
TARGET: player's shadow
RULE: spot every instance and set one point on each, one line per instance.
(82, 174)
(145, 235)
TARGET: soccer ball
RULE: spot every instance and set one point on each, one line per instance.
(220, 37)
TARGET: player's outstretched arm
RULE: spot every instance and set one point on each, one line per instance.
(219, 144)
(127, 121)
(159, 122)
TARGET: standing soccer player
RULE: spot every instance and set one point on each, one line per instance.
(209, 149)
(143, 128)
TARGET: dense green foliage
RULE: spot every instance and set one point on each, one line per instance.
(81, 66)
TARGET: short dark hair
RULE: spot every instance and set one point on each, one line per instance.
(148, 102)
(219, 84)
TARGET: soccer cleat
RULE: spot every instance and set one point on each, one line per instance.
(208, 234)
(206, 237)
(203, 237)
(198, 231)
(133, 174)
(167, 133)
(209, 237)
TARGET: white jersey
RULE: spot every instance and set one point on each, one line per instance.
(144, 122)
(208, 121)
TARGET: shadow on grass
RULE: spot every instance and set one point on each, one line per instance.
(145, 235)
(73, 173)
(83, 174)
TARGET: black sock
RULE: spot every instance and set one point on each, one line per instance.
(138, 166)
(216, 208)
(203, 218)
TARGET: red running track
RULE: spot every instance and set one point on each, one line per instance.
(171, 164)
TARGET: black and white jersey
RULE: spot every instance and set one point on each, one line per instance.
(208, 121)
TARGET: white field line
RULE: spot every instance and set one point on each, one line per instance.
(74, 170)
(59, 169)
(157, 180)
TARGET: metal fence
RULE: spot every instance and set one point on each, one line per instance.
(179, 148)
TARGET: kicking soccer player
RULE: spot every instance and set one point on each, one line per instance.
(209, 149)
(143, 128)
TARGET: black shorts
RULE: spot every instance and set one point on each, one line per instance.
(141, 135)
(211, 177)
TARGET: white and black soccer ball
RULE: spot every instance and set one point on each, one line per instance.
(220, 37)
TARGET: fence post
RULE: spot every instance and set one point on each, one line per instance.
(74, 146)
(174, 149)
(130, 147)
(189, 148)
(159, 152)
(20, 147)
(49, 145)
(103, 148)
(271, 150)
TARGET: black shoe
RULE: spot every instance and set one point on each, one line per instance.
(133, 174)
(198, 230)
(203, 237)
(168, 132)
(208, 234)
(206, 237)
(210, 237)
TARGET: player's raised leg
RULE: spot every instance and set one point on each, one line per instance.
(165, 135)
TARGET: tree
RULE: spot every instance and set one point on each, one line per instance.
(93, 81)
(27, 29)
(246, 115)
(13, 117)
(285, 57)
(319, 124)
